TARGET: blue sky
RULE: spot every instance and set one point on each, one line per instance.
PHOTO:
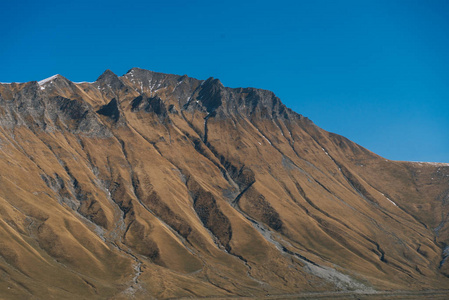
(376, 72)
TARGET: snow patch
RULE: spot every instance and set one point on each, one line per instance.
(46, 80)
(265, 138)
(392, 201)
(389, 199)
(176, 86)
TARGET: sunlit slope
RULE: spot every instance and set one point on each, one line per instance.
(156, 185)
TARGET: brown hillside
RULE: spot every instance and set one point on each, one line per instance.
(155, 185)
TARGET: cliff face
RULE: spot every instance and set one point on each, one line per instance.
(161, 185)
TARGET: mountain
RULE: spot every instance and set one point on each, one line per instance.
(152, 185)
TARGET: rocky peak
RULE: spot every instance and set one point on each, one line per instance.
(241, 101)
(49, 79)
(263, 103)
(57, 85)
(139, 73)
(212, 94)
(110, 85)
(148, 81)
(159, 93)
(107, 76)
(110, 79)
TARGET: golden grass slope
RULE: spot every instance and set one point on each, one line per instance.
(155, 186)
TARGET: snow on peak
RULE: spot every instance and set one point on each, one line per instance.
(49, 79)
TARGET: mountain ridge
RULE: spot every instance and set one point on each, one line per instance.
(214, 191)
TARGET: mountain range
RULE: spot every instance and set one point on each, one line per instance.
(153, 185)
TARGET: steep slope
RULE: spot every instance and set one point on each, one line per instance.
(157, 185)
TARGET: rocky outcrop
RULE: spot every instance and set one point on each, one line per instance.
(110, 110)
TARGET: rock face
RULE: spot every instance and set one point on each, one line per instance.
(156, 185)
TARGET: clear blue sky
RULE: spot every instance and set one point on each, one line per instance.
(376, 72)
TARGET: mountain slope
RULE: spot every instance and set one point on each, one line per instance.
(161, 185)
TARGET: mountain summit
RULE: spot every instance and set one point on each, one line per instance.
(151, 185)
